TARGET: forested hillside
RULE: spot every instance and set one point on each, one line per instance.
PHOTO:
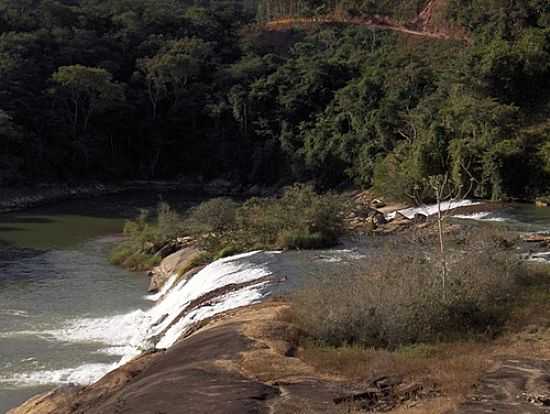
(116, 89)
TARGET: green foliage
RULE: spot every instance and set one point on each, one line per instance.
(297, 240)
(11, 141)
(124, 89)
(212, 216)
(168, 222)
(88, 90)
(544, 154)
(144, 239)
(301, 218)
(125, 255)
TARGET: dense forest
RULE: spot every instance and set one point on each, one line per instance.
(118, 89)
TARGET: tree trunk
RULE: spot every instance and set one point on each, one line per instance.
(441, 244)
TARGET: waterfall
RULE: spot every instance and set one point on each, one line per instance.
(181, 307)
(223, 285)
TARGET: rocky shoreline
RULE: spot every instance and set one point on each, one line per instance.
(240, 361)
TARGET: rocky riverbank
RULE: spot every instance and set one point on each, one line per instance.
(245, 360)
(238, 363)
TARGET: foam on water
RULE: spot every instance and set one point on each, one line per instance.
(233, 300)
(116, 330)
(338, 256)
(129, 334)
(15, 312)
(430, 210)
(542, 257)
(84, 374)
(229, 271)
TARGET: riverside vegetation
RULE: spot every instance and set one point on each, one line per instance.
(401, 298)
(397, 317)
(298, 219)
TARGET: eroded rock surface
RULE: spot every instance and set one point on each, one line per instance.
(237, 363)
(514, 386)
(171, 264)
(187, 378)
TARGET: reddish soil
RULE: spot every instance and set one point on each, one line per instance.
(423, 25)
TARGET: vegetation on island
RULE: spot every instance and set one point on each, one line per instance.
(299, 219)
(160, 89)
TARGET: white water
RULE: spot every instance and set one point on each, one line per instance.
(84, 374)
(482, 216)
(130, 334)
(430, 210)
(165, 288)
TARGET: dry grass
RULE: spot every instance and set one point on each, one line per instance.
(452, 368)
(455, 367)
(405, 299)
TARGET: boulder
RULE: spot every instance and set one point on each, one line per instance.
(179, 260)
(363, 211)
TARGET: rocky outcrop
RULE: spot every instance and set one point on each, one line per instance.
(242, 362)
(57, 401)
(179, 262)
(515, 385)
(25, 197)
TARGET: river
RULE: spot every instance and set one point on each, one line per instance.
(67, 315)
(57, 286)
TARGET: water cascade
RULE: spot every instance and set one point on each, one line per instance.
(223, 285)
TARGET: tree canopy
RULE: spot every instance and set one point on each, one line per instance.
(159, 89)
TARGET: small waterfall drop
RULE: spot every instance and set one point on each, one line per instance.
(223, 285)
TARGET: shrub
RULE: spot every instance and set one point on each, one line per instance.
(296, 240)
(401, 300)
(213, 216)
(141, 261)
(145, 237)
(169, 222)
(227, 251)
(128, 256)
(301, 218)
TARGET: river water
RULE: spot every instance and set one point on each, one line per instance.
(56, 284)
(67, 315)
